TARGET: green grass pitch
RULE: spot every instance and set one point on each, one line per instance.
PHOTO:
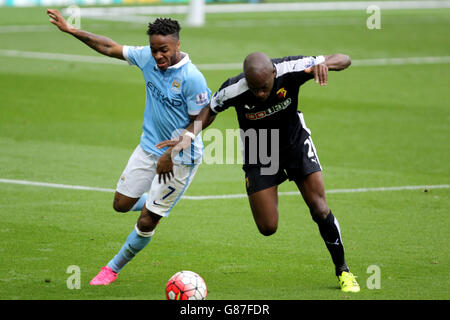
(374, 126)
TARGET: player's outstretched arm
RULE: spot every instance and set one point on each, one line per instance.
(335, 62)
(99, 43)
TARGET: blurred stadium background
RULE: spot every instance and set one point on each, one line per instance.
(70, 118)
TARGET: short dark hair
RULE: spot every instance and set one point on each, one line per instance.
(164, 27)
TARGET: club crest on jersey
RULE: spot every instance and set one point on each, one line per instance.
(176, 85)
(281, 93)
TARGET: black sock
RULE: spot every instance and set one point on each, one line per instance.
(331, 235)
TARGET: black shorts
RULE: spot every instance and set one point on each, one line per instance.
(295, 163)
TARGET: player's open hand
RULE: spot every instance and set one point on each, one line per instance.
(320, 72)
(169, 143)
(58, 20)
(180, 143)
(164, 168)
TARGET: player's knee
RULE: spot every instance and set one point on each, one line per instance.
(146, 225)
(148, 222)
(267, 230)
(319, 212)
(118, 207)
(123, 204)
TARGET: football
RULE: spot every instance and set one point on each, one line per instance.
(186, 285)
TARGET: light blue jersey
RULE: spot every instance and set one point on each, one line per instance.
(172, 96)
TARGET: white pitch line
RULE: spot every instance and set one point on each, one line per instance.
(60, 57)
(26, 28)
(401, 61)
(225, 196)
(211, 66)
(54, 185)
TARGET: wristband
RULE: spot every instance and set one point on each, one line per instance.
(319, 60)
(190, 135)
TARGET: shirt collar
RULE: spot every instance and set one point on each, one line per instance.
(180, 63)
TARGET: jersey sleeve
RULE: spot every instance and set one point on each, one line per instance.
(228, 91)
(218, 99)
(137, 56)
(196, 92)
(296, 65)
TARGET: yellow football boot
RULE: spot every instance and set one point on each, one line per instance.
(348, 282)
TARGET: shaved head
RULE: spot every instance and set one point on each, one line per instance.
(257, 63)
(260, 74)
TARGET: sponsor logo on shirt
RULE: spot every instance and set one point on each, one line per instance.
(158, 94)
(273, 109)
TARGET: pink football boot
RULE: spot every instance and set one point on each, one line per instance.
(104, 277)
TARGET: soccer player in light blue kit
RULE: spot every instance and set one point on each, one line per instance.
(176, 91)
